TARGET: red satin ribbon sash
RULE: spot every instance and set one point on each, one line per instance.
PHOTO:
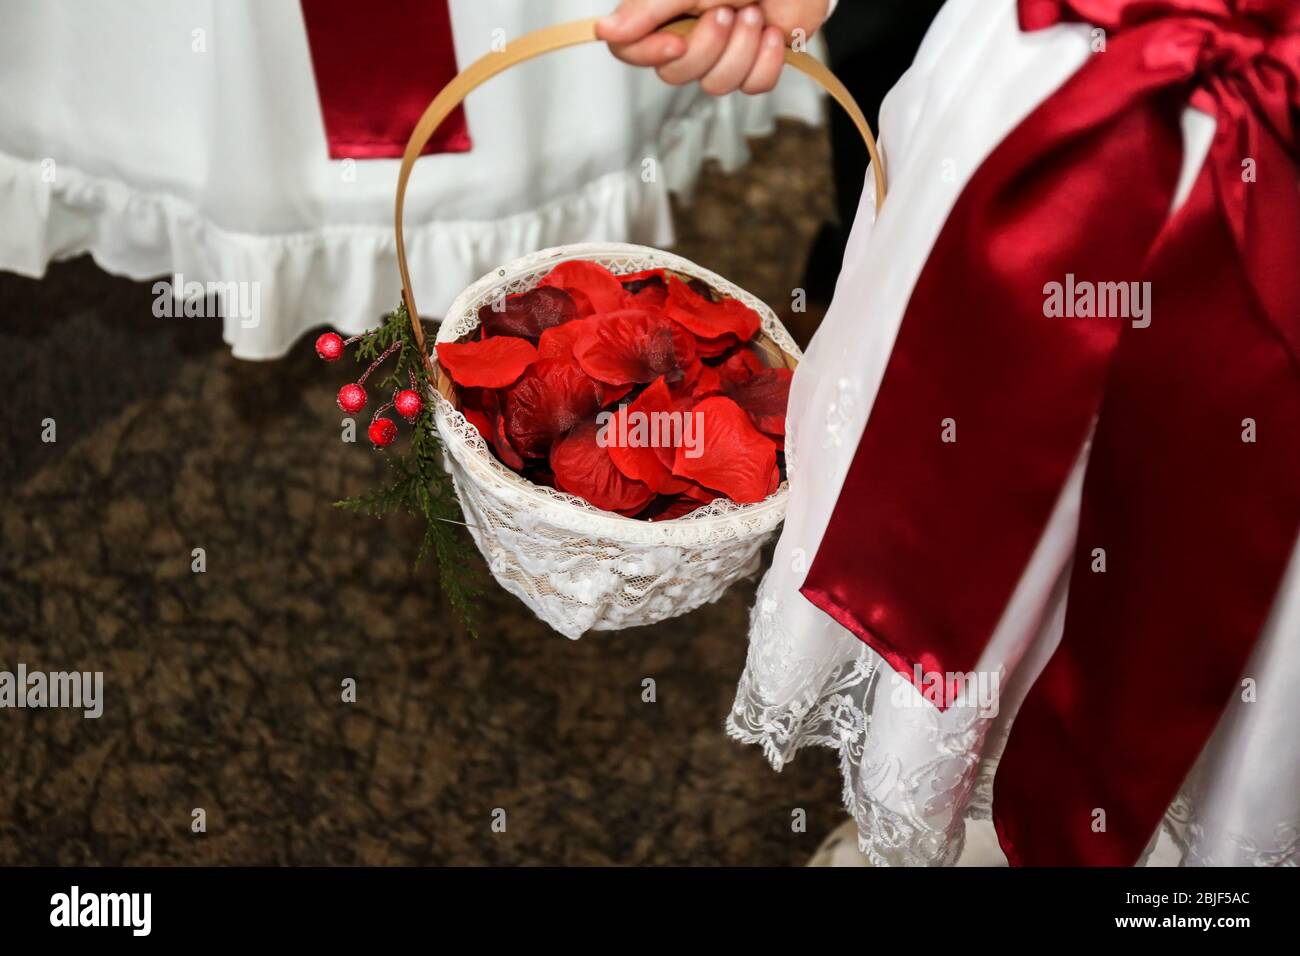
(377, 66)
(929, 538)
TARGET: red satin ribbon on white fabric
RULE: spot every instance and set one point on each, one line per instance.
(377, 66)
(929, 539)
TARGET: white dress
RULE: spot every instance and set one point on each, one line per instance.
(913, 775)
(167, 136)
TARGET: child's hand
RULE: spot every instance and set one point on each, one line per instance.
(730, 49)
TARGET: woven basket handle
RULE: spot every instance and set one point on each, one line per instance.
(545, 41)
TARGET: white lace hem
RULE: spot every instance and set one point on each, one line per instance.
(890, 837)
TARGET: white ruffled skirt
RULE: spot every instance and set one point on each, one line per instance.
(185, 136)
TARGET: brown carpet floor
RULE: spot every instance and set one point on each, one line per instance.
(222, 689)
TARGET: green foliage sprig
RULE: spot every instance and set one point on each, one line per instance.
(417, 482)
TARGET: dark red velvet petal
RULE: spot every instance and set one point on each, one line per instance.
(583, 467)
(491, 363)
(476, 400)
(552, 397)
(594, 288)
(528, 314)
(764, 396)
(538, 471)
(710, 321)
(633, 346)
(735, 458)
(504, 448)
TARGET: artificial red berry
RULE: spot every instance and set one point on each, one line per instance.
(382, 432)
(408, 404)
(352, 397)
(330, 347)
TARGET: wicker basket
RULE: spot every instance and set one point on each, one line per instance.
(577, 567)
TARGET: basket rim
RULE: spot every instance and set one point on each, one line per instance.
(568, 511)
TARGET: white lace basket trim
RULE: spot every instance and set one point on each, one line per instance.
(579, 568)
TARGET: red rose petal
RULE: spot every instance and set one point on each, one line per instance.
(646, 290)
(697, 492)
(480, 421)
(491, 363)
(528, 314)
(557, 342)
(668, 507)
(764, 396)
(709, 383)
(712, 322)
(475, 400)
(683, 402)
(552, 397)
(652, 298)
(774, 480)
(635, 280)
(740, 365)
(633, 346)
(711, 348)
(735, 458)
(636, 439)
(482, 407)
(583, 467)
(700, 383)
(609, 394)
(594, 288)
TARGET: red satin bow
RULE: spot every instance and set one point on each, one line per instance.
(377, 66)
(1191, 501)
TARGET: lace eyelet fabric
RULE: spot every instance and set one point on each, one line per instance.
(789, 699)
(576, 567)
